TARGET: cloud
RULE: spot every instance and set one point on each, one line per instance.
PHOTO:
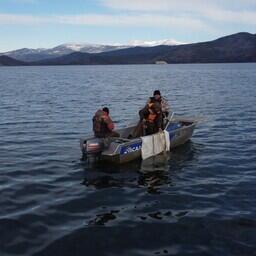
(140, 20)
(24, 1)
(154, 5)
(176, 5)
(243, 17)
(195, 15)
(239, 11)
(14, 19)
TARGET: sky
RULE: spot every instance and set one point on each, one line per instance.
(48, 23)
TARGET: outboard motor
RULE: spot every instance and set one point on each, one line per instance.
(92, 148)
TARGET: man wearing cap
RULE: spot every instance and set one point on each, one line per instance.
(103, 125)
(162, 101)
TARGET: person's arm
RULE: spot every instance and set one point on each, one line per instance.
(109, 123)
(143, 113)
(159, 120)
(165, 106)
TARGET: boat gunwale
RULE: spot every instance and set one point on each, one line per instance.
(127, 143)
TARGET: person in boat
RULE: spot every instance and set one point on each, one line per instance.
(151, 118)
(103, 125)
(165, 108)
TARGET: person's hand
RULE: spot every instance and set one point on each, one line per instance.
(160, 130)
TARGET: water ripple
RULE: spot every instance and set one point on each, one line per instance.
(197, 200)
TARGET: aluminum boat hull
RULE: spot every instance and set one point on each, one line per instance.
(122, 150)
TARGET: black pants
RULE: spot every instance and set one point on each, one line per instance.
(151, 128)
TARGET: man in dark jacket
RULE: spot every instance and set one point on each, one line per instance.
(151, 116)
(103, 125)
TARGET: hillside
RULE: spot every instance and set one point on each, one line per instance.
(7, 61)
(239, 47)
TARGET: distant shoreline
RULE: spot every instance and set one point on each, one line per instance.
(236, 48)
(94, 65)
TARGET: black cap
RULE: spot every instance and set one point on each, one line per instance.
(157, 92)
(105, 110)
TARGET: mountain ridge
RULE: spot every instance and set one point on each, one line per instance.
(239, 47)
(28, 55)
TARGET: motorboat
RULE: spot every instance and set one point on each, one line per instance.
(127, 148)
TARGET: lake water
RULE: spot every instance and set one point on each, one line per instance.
(199, 200)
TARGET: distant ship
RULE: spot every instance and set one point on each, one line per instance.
(161, 62)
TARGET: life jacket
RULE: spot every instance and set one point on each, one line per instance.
(158, 102)
(152, 115)
(100, 128)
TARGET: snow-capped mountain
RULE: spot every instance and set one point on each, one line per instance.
(89, 48)
(154, 43)
(26, 54)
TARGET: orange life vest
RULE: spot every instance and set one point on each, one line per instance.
(152, 116)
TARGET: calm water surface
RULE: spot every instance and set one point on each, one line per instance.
(198, 200)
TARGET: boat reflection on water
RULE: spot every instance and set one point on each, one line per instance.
(152, 173)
